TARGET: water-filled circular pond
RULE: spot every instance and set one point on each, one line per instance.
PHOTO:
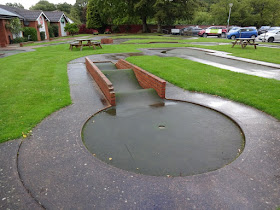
(171, 138)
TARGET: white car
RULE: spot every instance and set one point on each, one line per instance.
(270, 36)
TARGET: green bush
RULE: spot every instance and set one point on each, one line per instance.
(55, 30)
(19, 40)
(42, 35)
(72, 28)
(50, 29)
(115, 29)
(32, 32)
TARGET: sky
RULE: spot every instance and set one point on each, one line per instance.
(29, 3)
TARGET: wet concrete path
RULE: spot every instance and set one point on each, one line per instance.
(53, 169)
(221, 60)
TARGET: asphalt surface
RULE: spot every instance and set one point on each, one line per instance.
(52, 169)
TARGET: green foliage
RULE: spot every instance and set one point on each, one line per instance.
(65, 7)
(167, 12)
(74, 15)
(43, 5)
(115, 29)
(17, 5)
(93, 17)
(32, 32)
(14, 26)
(80, 8)
(42, 35)
(247, 12)
(55, 30)
(202, 18)
(265, 12)
(50, 29)
(19, 40)
(72, 28)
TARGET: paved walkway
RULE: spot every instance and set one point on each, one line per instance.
(53, 170)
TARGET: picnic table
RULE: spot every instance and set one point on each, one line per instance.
(244, 42)
(89, 43)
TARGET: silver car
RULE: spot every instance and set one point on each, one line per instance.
(270, 36)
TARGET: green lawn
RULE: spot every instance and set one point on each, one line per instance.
(35, 84)
(180, 39)
(261, 53)
(261, 93)
(44, 43)
(59, 40)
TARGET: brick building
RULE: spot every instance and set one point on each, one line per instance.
(31, 18)
(5, 35)
(58, 18)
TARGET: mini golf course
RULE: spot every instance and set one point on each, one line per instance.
(149, 135)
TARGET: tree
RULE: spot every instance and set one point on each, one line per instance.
(265, 12)
(43, 5)
(17, 5)
(143, 9)
(93, 17)
(72, 28)
(125, 11)
(240, 12)
(167, 12)
(81, 8)
(14, 26)
(202, 18)
(74, 15)
(247, 12)
(65, 7)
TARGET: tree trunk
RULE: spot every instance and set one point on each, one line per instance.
(145, 26)
(159, 27)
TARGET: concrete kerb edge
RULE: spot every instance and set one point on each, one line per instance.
(228, 56)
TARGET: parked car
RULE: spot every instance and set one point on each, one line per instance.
(270, 36)
(243, 33)
(190, 31)
(219, 31)
(175, 31)
(273, 28)
(263, 29)
(233, 29)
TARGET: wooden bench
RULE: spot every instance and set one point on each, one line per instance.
(81, 45)
(96, 44)
(245, 43)
(75, 44)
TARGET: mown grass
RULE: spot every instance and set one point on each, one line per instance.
(44, 43)
(177, 39)
(261, 93)
(58, 40)
(261, 53)
(78, 35)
